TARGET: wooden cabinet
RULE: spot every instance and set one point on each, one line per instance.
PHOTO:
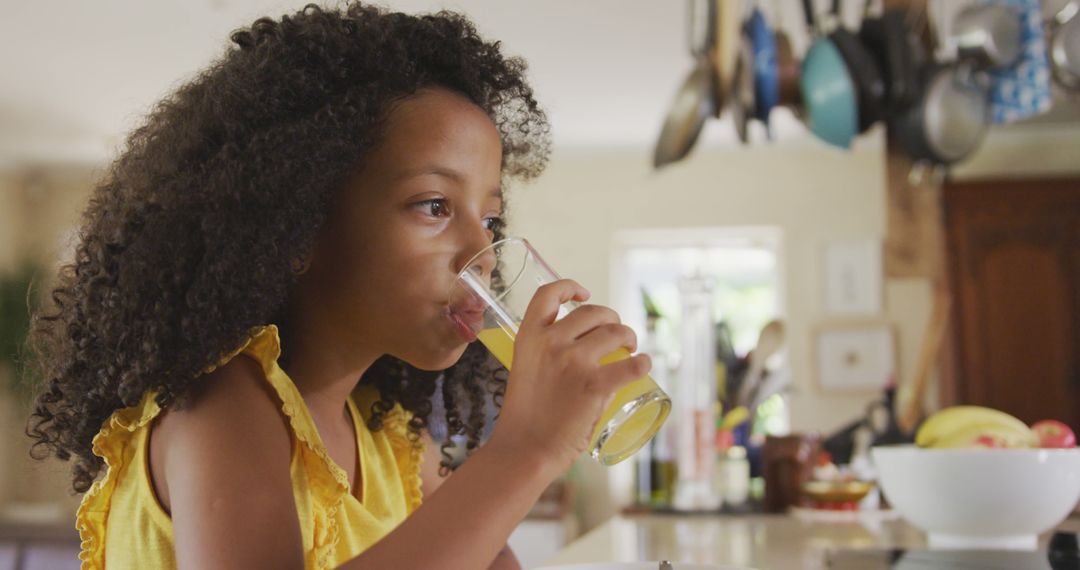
(1014, 272)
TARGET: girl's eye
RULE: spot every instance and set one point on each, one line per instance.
(493, 223)
(435, 207)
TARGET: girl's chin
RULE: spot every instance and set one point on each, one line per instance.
(438, 362)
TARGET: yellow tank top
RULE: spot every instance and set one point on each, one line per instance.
(123, 526)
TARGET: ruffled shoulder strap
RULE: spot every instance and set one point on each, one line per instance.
(116, 433)
(327, 482)
(109, 444)
(408, 451)
(264, 345)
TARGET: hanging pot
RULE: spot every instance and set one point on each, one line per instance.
(828, 92)
(888, 39)
(697, 98)
(950, 119)
(864, 70)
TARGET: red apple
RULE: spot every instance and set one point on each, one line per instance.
(987, 441)
(1053, 433)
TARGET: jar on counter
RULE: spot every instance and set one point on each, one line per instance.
(733, 476)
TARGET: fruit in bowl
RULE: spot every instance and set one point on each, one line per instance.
(978, 478)
(974, 426)
(1053, 433)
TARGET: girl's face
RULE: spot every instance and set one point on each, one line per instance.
(422, 205)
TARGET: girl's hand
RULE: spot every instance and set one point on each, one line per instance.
(557, 387)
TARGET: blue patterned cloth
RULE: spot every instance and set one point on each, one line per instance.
(1023, 89)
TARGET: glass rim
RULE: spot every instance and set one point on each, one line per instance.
(493, 245)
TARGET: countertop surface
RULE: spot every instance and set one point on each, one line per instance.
(765, 542)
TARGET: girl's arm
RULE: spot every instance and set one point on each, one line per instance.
(431, 480)
(465, 524)
(554, 396)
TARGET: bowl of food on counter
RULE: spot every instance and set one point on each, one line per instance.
(977, 477)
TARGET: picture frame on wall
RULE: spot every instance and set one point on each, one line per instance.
(855, 356)
(854, 279)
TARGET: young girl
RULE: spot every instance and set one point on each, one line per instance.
(241, 357)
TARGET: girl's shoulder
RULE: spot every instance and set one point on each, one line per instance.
(232, 410)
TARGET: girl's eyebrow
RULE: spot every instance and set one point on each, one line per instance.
(445, 172)
(432, 170)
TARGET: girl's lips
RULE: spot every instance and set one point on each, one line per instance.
(462, 322)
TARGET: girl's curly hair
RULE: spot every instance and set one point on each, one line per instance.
(188, 240)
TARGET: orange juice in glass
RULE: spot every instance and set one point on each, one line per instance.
(489, 298)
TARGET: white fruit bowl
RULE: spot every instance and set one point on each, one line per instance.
(980, 498)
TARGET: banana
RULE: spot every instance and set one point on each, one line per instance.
(984, 435)
(953, 420)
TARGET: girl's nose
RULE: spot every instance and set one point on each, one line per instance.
(477, 254)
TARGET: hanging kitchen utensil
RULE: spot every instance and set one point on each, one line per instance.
(987, 35)
(828, 92)
(864, 70)
(727, 19)
(789, 74)
(697, 97)
(950, 119)
(1059, 11)
(887, 38)
(1065, 53)
(1023, 90)
(766, 72)
(742, 90)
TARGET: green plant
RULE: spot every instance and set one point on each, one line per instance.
(17, 303)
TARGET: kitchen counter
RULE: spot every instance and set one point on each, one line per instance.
(766, 542)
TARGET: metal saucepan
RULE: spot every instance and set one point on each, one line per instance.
(864, 70)
(1065, 53)
(950, 119)
(696, 99)
(987, 35)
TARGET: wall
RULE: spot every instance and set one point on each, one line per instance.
(813, 193)
(38, 207)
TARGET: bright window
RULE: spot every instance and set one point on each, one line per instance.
(745, 265)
